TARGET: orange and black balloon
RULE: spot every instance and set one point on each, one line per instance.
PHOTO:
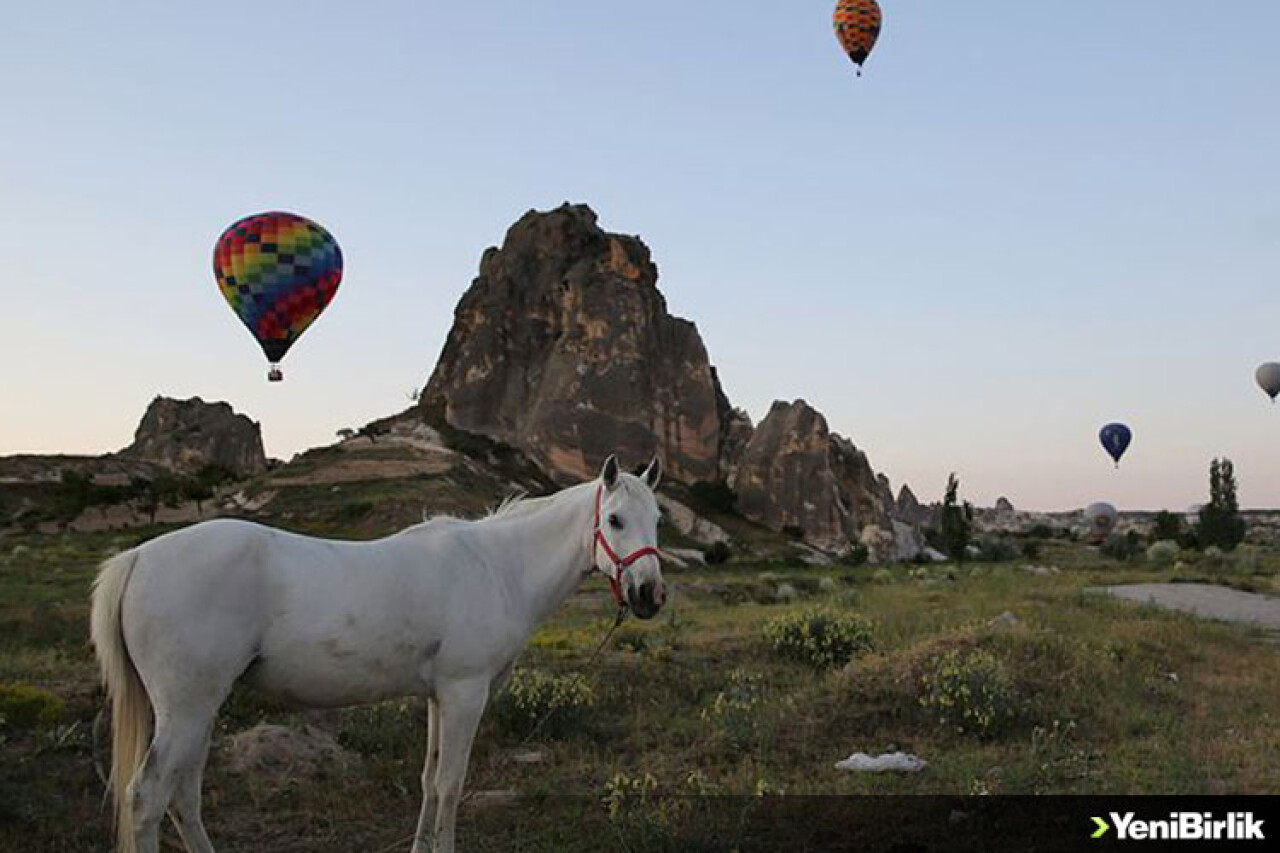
(857, 24)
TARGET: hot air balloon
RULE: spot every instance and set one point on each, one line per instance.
(1102, 520)
(1268, 377)
(857, 24)
(1115, 440)
(278, 271)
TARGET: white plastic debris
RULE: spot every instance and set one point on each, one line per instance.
(890, 762)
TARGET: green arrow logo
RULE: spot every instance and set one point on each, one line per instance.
(1102, 828)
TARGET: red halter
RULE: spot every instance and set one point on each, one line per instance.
(620, 564)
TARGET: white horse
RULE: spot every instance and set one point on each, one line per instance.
(439, 610)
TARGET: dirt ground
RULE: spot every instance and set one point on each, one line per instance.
(1205, 600)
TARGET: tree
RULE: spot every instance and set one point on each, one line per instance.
(1165, 527)
(1220, 520)
(955, 522)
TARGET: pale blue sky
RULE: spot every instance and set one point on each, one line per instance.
(1027, 219)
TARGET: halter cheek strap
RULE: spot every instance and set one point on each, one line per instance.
(620, 564)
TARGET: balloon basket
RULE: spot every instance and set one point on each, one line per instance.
(275, 374)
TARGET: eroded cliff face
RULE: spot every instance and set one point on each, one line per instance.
(564, 348)
(186, 435)
(795, 473)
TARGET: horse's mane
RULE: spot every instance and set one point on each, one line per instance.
(513, 505)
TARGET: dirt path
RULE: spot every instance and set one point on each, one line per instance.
(1206, 600)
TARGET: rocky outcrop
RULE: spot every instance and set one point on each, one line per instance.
(563, 348)
(909, 509)
(795, 473)
(187, 435)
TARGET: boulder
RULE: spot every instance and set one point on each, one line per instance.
(689, 523)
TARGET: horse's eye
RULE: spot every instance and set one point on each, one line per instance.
(615, 522)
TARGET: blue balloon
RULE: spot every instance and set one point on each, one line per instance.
(1115, 440)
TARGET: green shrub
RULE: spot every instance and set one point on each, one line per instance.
(997, 549)
(968, 690)
(819, 638)
(23, 706)
(532, 696)
(1163, 552)
(1165, 526)
(734, 713)
(395, 728)
(856, 555)
(1122, 547)
(717, 553)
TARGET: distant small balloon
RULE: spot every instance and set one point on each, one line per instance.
(1115, 440)
(1102, 520)
(1268, 377)
(857, 24)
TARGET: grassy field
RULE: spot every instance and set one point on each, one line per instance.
(1079, 695)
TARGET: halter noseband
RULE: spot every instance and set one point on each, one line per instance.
(620, 564)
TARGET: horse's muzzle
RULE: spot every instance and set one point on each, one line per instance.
(646, 599)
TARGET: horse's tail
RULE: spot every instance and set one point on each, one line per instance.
(130, 705)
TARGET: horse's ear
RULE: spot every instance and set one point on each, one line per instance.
(653, 474)
(609, 472)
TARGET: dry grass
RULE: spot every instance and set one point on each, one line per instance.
(1110, 698)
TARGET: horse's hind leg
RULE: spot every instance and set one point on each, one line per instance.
(185, 807)
(174, 759)
(427, 815)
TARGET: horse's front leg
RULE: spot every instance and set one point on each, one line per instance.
(422, 838)
(461, 705)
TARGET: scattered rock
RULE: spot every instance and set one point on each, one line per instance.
(492, 799)
(1041, 571)
(1004, 620)
(908, 541)
(690, 524)
(528, 756)
(786, 592)
(813, 557)
(683, 556)
(279, 752)
(893, 762)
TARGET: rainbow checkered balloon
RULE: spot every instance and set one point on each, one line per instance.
(278, 271)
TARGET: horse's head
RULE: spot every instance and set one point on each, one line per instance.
(624, 544)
